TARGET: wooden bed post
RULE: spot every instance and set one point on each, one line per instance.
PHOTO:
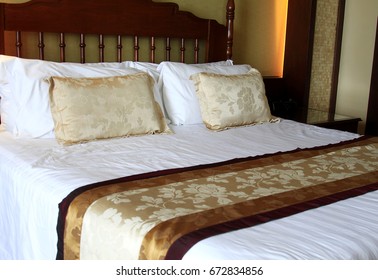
(2, 43)
(115, 18)
(230, 16)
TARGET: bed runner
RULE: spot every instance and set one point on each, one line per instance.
(140, 217)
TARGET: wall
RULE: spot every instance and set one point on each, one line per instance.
(357, 58)
(260, 28)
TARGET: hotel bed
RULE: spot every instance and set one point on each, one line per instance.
(166, 160)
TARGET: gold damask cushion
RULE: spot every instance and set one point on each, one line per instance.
(232, 100)
(86, 109)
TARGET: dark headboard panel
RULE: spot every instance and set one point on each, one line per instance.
(372, 114)
(136, 18)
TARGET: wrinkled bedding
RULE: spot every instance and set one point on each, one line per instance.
(37, 174)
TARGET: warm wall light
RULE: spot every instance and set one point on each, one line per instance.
(280, 31)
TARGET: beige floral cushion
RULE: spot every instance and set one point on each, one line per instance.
(232, 100)
(85, 109)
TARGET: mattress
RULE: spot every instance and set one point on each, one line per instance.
(37, 174)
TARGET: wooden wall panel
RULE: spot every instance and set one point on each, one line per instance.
(295, 83)
(372, 115)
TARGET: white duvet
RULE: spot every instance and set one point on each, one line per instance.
(36, 174)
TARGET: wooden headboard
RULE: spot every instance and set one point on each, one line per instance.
(118, 18)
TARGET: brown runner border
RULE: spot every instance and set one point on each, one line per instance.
(101, 186)
(179, 248)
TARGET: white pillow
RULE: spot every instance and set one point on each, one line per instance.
(6, 63)
(4, 106)
(179, 95)
(152, 70)
(30, 113)
(144, 66)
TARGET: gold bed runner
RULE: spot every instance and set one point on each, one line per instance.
(159, 210)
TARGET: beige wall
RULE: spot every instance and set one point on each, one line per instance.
(357, 58)
(260, 28)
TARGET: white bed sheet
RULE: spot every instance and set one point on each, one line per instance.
(346, 230)
(41, 172)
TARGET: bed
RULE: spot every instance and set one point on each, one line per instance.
(164, 159)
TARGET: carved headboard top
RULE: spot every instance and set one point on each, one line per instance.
(143, 18)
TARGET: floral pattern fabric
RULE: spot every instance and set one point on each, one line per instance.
(86, 109)
(232, 100)
(143, 219)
